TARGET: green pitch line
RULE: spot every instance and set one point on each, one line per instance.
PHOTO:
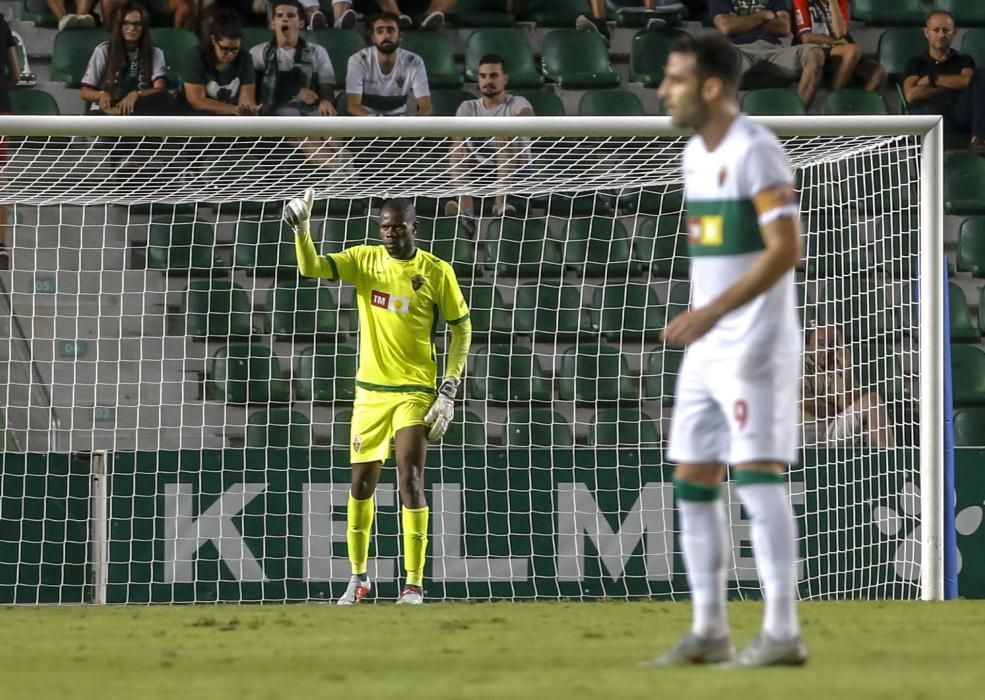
(892, 650)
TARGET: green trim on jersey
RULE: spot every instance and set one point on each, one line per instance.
(458, 320)
(331, 264)
(719, 227)
(404, 389)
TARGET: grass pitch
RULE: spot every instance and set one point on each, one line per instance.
(555, 651)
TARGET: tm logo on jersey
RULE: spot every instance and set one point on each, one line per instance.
(706, 230)
(390, 302)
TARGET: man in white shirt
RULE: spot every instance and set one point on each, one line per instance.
(382, 76)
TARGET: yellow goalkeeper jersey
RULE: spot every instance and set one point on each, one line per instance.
(399, 302)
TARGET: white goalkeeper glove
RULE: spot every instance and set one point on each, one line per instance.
(440, 414)
(297, 212)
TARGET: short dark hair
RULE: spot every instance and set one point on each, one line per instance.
(714, 57)
(400, 204)
(296, 4)
(384, 16)
(494, 58)
(938, 11)
(226, 25)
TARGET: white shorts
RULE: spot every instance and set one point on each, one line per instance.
(736, 410)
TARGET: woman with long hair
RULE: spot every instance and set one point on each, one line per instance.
(126, 75)
(221, 78)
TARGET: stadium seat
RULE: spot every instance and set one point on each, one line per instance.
(964, 183)
(599, 247)
(444, 103)
(857, 305)
(326, 373)
(71, 52)
(33, 101)
(554, 13)
(337, 234)
(648, 55)
(593, 373)
(660, 243)
(480, 13)
(513, 46)
(544, 102)
(539, 427)
(981, 308)
(216, 309)
(967, 13)
(654, 201)
(827, 250)
(278, 427)
(896, 13)
(254, 36)
(973, 42)
(43, 19)
(898, 45)
(488, 312)
(549, 311)
(505, 373)
(265, 247)
(660, 369)
(971, 246)
(962, 329)
(341, 423)
(466, 430)
(678, 300)
(854, 101)
(523, 247)
(610, 103)
(340, 44)
(969, 427)
(627, 311)
(445, 238)
(772, 102)
(577, 59)
(439, 57)
(179, 46)
(246, 373)
(568, 205)
(183, 247)
(623, 427)
(299, 310)
(968, 365)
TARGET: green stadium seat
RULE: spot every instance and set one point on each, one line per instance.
(854, 101)
(265, 247)
(509, 43)
(445, 238)
(254, 36)
(568, 205)
(610, 103)
(299, 310)
(971, 246)
(33, 101)
(278, 427)
(246, 373)
(962, 329)
(973, 41)
(654, 201)
(340, 429)
(71, 52)
(179, 46)
(488, 312)
(549, 311)
(183, 247)
(444, 103)
(523, 247)
(981, 308)
(326, 373)
(338, 234)
(858, 306)
(340, 44)
(648, 55)
(896, 13)
(577, 59)
(43, 19)
(539, 427)
(466, 430)
(216, 309)
(599, 247)
(880, 188)
(897, 46)
(964, 183)
(660, 370)
(623, 427)
(592, 374)
(505, 373)
(967, 13)
(544, 102)
(439, 57)
(968, 363)
(825, 251)
(554, 13)
(969, 427)
(772, 102)
(481, 13)
(660, 243)
(627, 311)
(678, 300)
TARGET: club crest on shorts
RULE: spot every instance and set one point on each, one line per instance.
(357, 443)
(417, 282)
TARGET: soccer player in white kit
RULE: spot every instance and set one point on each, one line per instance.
(737, 391)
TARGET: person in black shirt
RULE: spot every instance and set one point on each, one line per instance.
(943, 81)
(221, 78)
(7, 49)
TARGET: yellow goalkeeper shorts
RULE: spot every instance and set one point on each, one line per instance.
(376, 418)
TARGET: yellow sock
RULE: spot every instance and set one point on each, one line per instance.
(360, 525)
(415, 524)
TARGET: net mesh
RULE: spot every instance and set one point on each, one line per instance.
(155, 311)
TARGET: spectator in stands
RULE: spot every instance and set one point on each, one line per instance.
(182, 11)
(295, 78)
(81, 16)
(943, 81)
(8, 49)
(221, 78)
(824, 23)
(432, 12)
(127, 74)
(596, 21)
(835, 410)
(759, 30)
(381, 77)
(488, 157)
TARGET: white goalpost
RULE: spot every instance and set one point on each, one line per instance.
(176, 398)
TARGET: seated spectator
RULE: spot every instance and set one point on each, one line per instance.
(596, 22)
(7, 48)
(81, 16)
(220, 76)
(127, 75)
(758, 29)
(294, 78)
(824, 23)
(382, 76)
(835, 410)
(488, 157)
(182, 11)
(945, 82)
(432, 12)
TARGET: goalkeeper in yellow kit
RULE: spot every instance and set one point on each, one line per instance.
(400, 292)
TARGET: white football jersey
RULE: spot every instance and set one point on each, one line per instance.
(744, 183)
(386, 93)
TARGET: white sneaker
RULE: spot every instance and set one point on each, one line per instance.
(433, 22)
(405, 22)
(67, 22)
(87, 21)
(356, 591)
(318, 20)
(411, 596)
(347, 20)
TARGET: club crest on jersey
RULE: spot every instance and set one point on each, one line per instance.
(417, 282)
(400, 81)
(705, 230)
(357, 443)
(390, 302)
(722, 175)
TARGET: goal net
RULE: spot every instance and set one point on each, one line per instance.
(176, 398)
